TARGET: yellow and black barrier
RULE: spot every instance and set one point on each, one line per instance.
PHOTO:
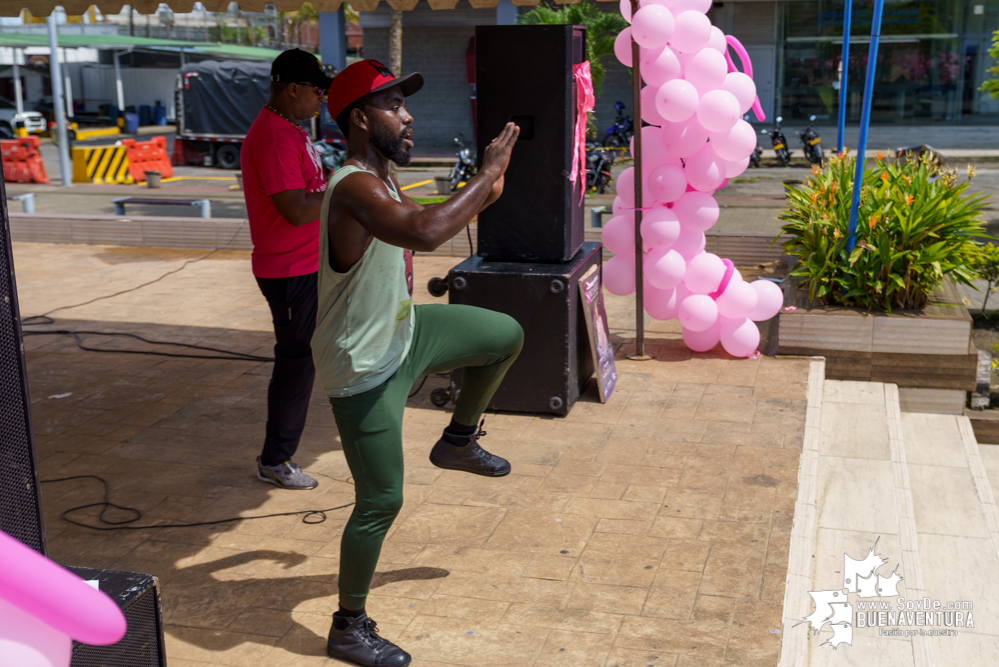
(102, 165)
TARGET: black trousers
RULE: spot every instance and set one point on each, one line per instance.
(293, 310)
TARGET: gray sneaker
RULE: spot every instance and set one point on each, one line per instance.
(288, 475)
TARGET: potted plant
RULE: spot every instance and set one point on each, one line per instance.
(893, 293)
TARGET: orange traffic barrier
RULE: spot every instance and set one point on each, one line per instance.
(146, 156)
(22, 163)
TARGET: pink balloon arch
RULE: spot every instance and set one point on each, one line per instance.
(696, 140)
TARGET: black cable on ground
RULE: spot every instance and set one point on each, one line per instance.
(122, 525)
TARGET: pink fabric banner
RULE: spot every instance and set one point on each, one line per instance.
(584, 104)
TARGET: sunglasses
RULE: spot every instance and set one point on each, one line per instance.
(322, 92)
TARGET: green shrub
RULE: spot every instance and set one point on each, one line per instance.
(915, 225)
(985, 263)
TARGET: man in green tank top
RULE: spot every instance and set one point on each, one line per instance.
(371, 343)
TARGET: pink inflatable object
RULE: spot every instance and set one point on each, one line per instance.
(665, 268)
(667, 183)
(736, 144)
(27, 642)
(660, 304)
(701, 341)
(743, 88)
(56, 596)
(706, 70)
(685, 138)
(652, 26)
(717, 40)
(697, 312)
(619, 275)
(650, 114)
(660, 228)
(690, 243)
(626, 187)
(769, 300)
(621, 207)
(622, 47)
(678, 6)
(676, 100)
(740, 338)
(625, 8)
(737, 301)
(691, 31)
(733, 169)
(704, 273)
(705, 170)
(718, 110)
(747, 67)
(618, 235)
(659, 66)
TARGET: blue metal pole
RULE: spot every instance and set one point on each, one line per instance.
(844, 66)
(865, 121)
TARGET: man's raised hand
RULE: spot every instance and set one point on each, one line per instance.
(497, 155)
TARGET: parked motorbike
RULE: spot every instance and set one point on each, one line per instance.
(598, 169)
(620, 132)
(812, 143)
(331, 155)
(464, 168)
(778, 142)
(754, 157)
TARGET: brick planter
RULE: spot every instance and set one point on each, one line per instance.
(922, 349)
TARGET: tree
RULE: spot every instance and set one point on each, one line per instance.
(601, 30)
(992, 85)
(395, 43)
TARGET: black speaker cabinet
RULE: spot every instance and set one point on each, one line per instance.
(20, 503)
(523, 73)
(555, 363)
(138, 595)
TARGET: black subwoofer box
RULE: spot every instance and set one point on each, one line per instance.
(139, 598)
(523, 74)
(20, 503)
(556, 363)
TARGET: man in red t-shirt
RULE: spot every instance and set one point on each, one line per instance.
(283, 186)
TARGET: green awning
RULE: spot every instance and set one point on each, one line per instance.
(230, 51)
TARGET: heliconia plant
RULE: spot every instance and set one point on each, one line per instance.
(917, 224)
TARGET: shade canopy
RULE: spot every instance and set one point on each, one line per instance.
(74, 7)
(126, 42)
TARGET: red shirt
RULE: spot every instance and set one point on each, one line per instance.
(279, 156)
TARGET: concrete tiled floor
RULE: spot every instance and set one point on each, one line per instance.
(653, 530)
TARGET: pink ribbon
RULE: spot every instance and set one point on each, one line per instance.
(729, 270)
(584, 103)
(740, 51)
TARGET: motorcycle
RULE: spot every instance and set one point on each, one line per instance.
(331, 155)
(812, 143)
(464, 168)
(621, 131)
(754, 157)
(598, 169)
(778, 142)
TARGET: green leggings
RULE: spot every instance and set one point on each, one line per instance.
(445, 337)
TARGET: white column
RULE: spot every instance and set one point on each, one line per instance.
(18, 94)
(117, 81)
(65, 168)
(69, 96)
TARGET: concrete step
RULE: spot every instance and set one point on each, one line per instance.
(905, 494)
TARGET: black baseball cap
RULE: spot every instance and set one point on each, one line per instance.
(298, 66)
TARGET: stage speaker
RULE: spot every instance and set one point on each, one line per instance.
(556, 362)
(20, 501)
(138, 596)
(523, 73)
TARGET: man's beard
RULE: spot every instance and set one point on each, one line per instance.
(391, 146)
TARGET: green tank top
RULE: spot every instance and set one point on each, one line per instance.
(364, 323)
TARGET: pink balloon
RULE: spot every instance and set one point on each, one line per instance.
(659, 66)
(621, 207)
(716, 41)
(691, 31)
(660, 228)
(25, 641)
(733, 169)
(39, 587)
(650, 114)
(667, 183)
(769, 300)
(697, 312)
(660, 304)
(676, 100)
(718, 111)
(697, 211)
(618, 235)
(690, 243)
(626, 187)
(704, 273)
(619, 275)
(625, 7)
(679, 6)
(665, 268)
(706, 69)
(740, 338)
(742, 87)
(653, 152)
(622, 47)
(702, 341)
(705, 170)
(737, 301)
(736, 144)
(685, 138)
(652, 26)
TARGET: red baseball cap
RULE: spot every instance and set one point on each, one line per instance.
(364, 77)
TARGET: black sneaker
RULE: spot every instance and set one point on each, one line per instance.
(468, 456)
(356, 640)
